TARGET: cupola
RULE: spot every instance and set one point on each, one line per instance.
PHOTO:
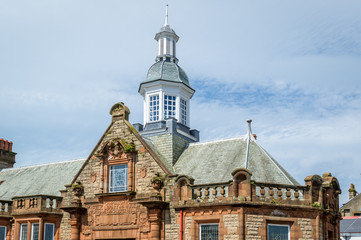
(166, 90)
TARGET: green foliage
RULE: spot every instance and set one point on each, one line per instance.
(128, 147)
(157, 178)
(77, 186)
(316, 204)
(272, 201)
(352, 190)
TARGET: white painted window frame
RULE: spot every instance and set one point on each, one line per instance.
(159, 107)
(279, 225)
(185, 116)
(32, 230)
(21, 230)
(175, 105)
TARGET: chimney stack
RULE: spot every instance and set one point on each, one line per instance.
(7, 156)
(352, 191)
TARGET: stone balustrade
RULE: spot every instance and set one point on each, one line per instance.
(210, 191)
(246, 191)
(234, 192)
(282, 193)
(36, 204)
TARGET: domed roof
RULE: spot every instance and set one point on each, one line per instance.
(167, 28)
(168, 71)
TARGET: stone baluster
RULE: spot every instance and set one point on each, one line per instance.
(214, 192)
(206, 192)
(262, 191)
(297, 194)
(271, 192)
(222, 191)
(279, 192)
(51, 203)
(199, 193)
(288, 193)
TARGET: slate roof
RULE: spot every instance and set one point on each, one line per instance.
(168, 71)
(160, 156)
(46, 179)
(356, 199)
(350, 225)
(213, 162)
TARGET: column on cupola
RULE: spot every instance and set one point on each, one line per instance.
(167, 40)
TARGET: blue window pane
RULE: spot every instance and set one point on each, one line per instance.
(2, 233)
(278, 232)
(49, 232)
(118, 178)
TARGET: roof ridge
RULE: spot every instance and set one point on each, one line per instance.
(219, 140)
(162, 66)
(43, 164)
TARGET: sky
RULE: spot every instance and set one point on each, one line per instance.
(293, 67)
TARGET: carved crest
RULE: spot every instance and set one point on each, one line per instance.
(143, 172)
(113, 149)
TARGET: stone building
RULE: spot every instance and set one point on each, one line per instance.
(350, 224)
(157, 181)
(353, 206)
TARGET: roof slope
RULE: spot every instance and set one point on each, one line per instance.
(46, 179)
(159, 155)
(168, 71)
(350, 225)
(214, 161)
(355, 199)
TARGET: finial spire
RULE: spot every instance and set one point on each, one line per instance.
(249, 121)
(249, 134)
(166, 15)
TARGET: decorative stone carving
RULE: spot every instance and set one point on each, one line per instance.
(120, 111)
(93, 177)
(115, 214)
(157, 182)
(116, 149)
(143, 172)
(77, 189)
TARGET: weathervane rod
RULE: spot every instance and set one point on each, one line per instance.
(166, 15)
